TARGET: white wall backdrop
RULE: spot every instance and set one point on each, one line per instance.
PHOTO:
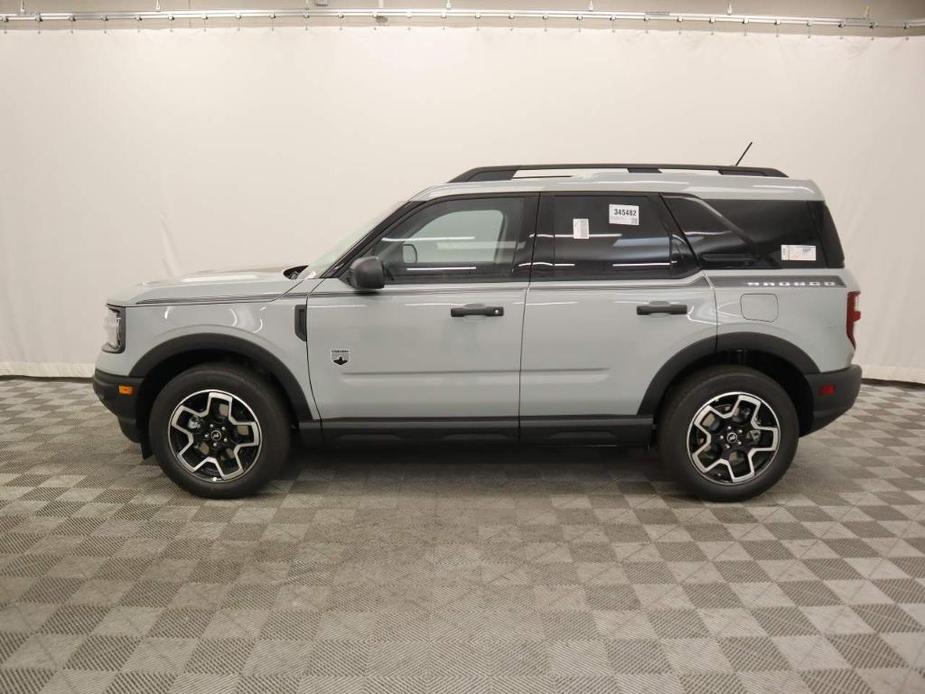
(129, 155)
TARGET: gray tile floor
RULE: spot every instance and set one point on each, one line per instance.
(438, 570)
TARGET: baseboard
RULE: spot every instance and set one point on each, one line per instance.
(45, 369)
(905, 374)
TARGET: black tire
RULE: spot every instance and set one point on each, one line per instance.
(676, 426)
(249, 389)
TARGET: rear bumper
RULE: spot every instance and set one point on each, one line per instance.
(834, 392)
(124, 407)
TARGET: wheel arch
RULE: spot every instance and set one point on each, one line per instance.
(778, 359)
(170, 358)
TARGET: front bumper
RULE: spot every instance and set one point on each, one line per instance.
(124, 406)
(834, 392)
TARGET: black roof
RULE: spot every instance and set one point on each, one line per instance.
(508, 171)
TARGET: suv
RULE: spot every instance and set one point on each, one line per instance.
(702, 309)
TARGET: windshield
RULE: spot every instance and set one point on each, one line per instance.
(343, 244)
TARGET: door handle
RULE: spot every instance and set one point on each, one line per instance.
(476, 310)
(661, 307)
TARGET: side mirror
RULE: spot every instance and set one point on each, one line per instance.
(366, 273)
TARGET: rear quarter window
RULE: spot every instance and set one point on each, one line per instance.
(758, 233)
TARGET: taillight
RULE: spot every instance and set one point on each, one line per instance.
(854, 314)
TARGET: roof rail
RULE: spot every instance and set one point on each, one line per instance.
(509, 171)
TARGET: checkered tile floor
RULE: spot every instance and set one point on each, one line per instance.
(433, 570)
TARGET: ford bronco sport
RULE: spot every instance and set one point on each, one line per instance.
(701, 309)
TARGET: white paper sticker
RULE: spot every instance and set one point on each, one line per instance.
(624, 214)
(804, 253)
(581, 229)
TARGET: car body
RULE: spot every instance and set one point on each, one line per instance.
(554, 303)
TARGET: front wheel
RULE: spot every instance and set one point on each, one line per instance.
(219, 431)
(728, 433)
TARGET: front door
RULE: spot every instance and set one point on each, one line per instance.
(439, 346)
(615, 294)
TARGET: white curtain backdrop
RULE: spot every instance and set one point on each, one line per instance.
(129, 155)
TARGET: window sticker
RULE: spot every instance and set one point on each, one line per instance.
(798, 253)
(581, 229)
(624, 214)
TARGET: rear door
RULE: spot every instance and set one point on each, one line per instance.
(440, 344)
(614, 295)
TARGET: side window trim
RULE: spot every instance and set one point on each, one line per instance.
(520, 267)
(681, 254)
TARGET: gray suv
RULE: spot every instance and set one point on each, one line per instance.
(705, 310)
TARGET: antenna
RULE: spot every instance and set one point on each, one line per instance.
(744, 153)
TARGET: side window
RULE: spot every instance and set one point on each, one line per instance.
(453, 241)
(783, 231)
(828, 234)
(756, 233)
(608, 237)
(714, 240)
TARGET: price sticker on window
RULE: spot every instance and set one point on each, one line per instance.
(798, 253)
(624, 214)
(581, 229)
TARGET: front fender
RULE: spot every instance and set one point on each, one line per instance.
(228, 344)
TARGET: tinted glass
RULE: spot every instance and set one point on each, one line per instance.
(757, 233)
(710, 235)
(608, 237)
(828, 235)
(455, 240)
(778, 229)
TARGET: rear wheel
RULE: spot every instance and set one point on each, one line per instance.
(219, 431)
(728, 433)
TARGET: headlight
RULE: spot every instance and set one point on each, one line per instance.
(114, 325)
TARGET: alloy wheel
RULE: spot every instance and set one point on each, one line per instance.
(214, 435)
(733, 438)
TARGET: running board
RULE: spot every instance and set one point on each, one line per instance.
(633, 430)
